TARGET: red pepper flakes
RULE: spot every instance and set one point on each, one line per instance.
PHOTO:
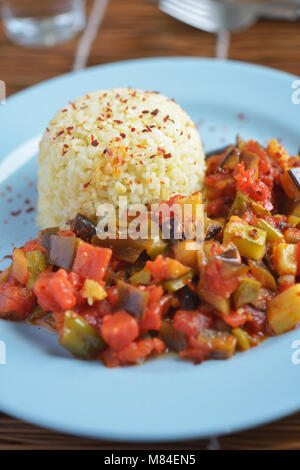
(117, 139)
(141, 162)
(60, 133)
(108, 151)
(27, 201)
(117, 121)
(30, 209)
(99, 118)
(152, 156)
(145, 111)
(166, 118)
(16, 213)
(155, 112)
(132, 129)
(161, 150)
(64, 110)
(86, 184)
(95, 143)
(73, 105)
(123, 135)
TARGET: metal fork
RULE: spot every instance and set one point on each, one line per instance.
(215, 16)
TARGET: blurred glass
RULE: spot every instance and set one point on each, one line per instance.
(42, 22)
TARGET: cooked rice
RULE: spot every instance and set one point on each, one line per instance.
(119, 142)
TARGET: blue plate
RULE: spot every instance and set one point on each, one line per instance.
(164, 399)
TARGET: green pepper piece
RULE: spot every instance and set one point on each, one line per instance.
(79, 338)
(174, 285)
(141, 277)
(37, 263)
(247, 292)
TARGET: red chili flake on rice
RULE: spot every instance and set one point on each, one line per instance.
(95, 143)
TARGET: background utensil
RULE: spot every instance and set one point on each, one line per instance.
(215, 16)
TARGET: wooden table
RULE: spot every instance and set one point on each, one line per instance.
(131, 29)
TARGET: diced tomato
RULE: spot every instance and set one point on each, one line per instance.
(33, 245)
(91, 261)
(66, 233)
(196, 351)
(191, 322)
(256, 320)
(219, 207)
(163, 268)
(256, 189)
(113, 297)
(157, 307)
(16, 301)
(137, 351)
(103, 307)
(298, 259)
(110, 358)
(235, 319)
(119, 329)
(55, 292)
(75, 280)
(215, 282)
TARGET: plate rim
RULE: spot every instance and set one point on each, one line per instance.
(144, 438)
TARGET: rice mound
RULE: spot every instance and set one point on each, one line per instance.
(112, 143)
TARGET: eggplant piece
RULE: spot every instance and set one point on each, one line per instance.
(63, 251)
(295, 177)
(218, 151)
(188, 299)
(45, 236)
(174, 340)
(231, 158)
(132, 299)
(251, 162)
(83, 227)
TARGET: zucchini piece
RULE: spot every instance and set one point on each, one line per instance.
(283, 310)
(293, 221)
(20, 266)
(262, 274)
(250, 241)
(284, 258)
(80, 338)
(273, 235)
(186, 252)
(37, 262)
(244, 340)
(219, 303)
(246, 293)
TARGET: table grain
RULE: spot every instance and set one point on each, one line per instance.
(133, 29)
